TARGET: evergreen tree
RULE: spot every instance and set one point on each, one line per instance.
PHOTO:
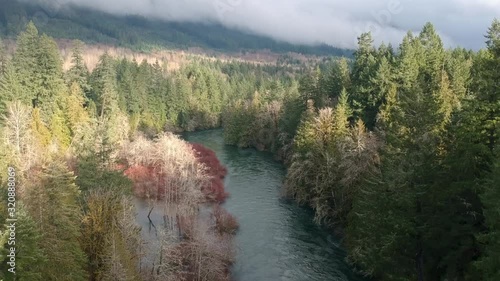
(314, 175)
(25, 61)
(458, 64)
(30, 256)
(399, 202)
(54, 206)
(293, 107)
(489, 264)
(364, 99)
(407, 70)
(74, 110)
(11, 89)
(487, 109)
(128, 88)
(78, 73)
(104, 88)
(50, 84)
(40, 130)
(310, 89)
(339, 78)
(382, 81)
(431, 58)
(60, 131)
(38, 68)
(109, 239)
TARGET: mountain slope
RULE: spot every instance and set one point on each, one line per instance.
(139, 33)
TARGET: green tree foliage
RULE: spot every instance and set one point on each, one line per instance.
(74, 111)
(109, 235)
(331, 158)
(60, 131)
(24, 60)
(30, 257)
(434, 118)
(262, 133)
(489, 263)
(78, 73)
(422, 174)
(399, 148)
(487, 107)
(364, 98)
(339, 78)
(104, 88)
(486, 88)
(39, 69)
(54, 206)
(41, 133)
(11, 88)
(92, 175)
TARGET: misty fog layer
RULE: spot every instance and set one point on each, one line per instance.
(334, 22)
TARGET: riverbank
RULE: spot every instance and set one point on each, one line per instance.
(182, 184)
(277, 239)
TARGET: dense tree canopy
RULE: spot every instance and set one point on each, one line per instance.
(65, 134)
(398, 147)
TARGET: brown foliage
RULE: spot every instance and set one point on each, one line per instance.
(180, 177)
(206, 256)
(166, 169)
(224, 221)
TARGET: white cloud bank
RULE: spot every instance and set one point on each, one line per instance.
(338, 23)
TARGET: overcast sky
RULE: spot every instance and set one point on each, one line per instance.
(335, 22)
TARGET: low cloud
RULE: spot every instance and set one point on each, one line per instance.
(337, 23)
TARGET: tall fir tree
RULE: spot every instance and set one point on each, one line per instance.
(104, 87)
(339, 78)
(11, 89)
(489, 264)
(54, 206)
(364, 99)
(30, 256)
(399, 201)
(78, 72)
(25, 61)
(488, 110)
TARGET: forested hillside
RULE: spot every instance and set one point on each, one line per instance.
(399, 148)
(396, 148)
(139, 33)
(76, 146)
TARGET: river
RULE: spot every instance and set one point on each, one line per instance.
(277, 239)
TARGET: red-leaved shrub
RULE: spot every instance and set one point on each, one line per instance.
(181, 177)
(215, 189)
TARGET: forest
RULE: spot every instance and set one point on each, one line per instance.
(78, 147)
(395, 149)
